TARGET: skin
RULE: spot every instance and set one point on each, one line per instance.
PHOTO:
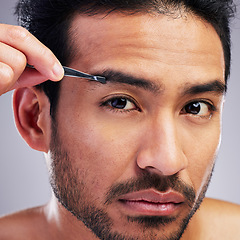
(17, 44)
(155, 133)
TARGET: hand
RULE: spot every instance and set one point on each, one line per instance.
(17, 48)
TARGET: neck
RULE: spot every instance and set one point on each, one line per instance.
(63, 225)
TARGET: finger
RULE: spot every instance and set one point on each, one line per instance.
(36, 53)
(30, 77)
(14, 71)
(6, 76)
(14, 59)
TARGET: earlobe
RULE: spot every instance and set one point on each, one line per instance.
(31, 112)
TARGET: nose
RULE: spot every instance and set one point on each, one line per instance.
(161, 148)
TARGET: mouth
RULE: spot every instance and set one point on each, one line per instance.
(151, 203)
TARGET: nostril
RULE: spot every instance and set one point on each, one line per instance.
(165, 163)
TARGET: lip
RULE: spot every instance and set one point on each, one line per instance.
(152, 203)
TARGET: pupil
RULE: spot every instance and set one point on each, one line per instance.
(193, 108)
(119, 103)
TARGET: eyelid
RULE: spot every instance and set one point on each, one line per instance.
(106, 99)
(119, 95)
(202, 100)
(208, 102)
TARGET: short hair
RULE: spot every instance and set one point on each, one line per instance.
(50, 20)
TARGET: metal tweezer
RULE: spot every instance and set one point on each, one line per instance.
(70, 72)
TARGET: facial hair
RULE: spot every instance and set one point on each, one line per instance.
(71, 191)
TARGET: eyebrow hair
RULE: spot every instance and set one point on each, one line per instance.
(120, 77)
(215, 86)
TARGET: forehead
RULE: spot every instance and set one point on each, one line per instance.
(141, 42)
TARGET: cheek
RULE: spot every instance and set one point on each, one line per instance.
(201, 149)
(102, 151)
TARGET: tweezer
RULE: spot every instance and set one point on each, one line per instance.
(70, 72)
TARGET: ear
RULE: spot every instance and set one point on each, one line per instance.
(32, 117)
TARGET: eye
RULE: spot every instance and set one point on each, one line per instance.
(120, 103)
(199, 108)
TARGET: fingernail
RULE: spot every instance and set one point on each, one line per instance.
(58, 71)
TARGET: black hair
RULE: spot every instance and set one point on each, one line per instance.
(49, 21)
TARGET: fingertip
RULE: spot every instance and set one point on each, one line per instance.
(58, 71)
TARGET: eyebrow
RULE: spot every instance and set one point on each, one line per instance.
(120, 77)
(215, 86)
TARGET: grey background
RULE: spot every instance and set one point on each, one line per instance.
(23, 174)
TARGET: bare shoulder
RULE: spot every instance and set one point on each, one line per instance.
(21, 225)
(222, 212)
(216, 220)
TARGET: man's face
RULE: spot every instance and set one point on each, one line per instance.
(132, 158)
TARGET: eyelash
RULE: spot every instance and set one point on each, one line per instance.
(210, 106)
(127, 99)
